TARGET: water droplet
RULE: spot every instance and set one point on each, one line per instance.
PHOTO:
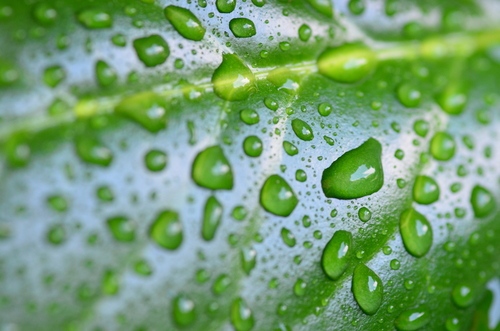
(421, 128)
(104, 193)
(156, 160)
(285, 80)
(221, 284)
(91, 150)
(212, 170)
(395, 264)
(453, 99)
(211, 218)
(277, 197)
(463, 295)
(252, 146)
(119, 40)
(57, 203)
(183, 310)
(249, 116)
(242, 27)
(239, 213)
(184, 21)
(483, 202)
(290, 148)
(9, 74)
(53, 76)
(143, 268)
(305, 32)
(453, 324)
(442, 146)
(300, 287)
(425, 190)
(146, 108)
(324, 7)
(95, 19)
(300, 175)
(233, 80)
(122, 228)
(364, 214)
(248, 257)
(105, 74)
(337, 254)
(58, 107)
(241, 315)
(413, 319)
(56, 234)
(110, 283)
(325, 109)
(288, 237)
(357, 7)
(399, 154)
(416, 232)
(408, 95)
(348, 63)
(152, 50)
(367, 288)
(355, 174)
(302, 130)
(166, 230)
(44, 14)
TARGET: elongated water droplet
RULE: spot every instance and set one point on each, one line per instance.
(442, 146)
(242, 27)
(166, 230)
(110, 283)
(184, 21)
(413, 319)
(337, 254)
(347, 63)
(288, 237)
(355, 174)
(305, 32)
(91, 150)
(221, 284)
(233, 80)
(105, 74)
(212, 170)
(248, 257)
(104, 193)
(277, 197)
(409, 95)
(452, 99)
(249, 116)
(357, 7)
(183, 310)
(53, 76)
(9, 74)
(156, 160)
(364, 214)
(211, 218)
(302, 130)
(122, 228)
(95, 19)
(367, 288)
(483, 202)
(416, 232)
(241, 315)
(57, 203)
(425, 190)
(146, 108)
(152, 50)
(290, 148)
(324, 7)
(463, 295)
(252, 146)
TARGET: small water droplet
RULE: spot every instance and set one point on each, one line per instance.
(416, 232)
(409, 95)
(91, 150)
(185, 22)
(357, 7)
(233, 80)
(421, 128)
(452, 99)
(95, 19)
(425, 190)
(44, 14)
(248, 257)
(337, 254)
(57, 203)
(166, 230)
(463, 295)
(183, 310)
(211, 218)
(367, 288)
(277, 197)
(348, 63)
(300, 287)
(156, 160)
(325, 109)
(300, 175)
(364, 214)
(212, 170)
(122, 228)
(56, 234)
(110, 283)
(54, 75)
(305, 32)
(483, 202)
(288, 237)
(413, 319)
(442, 146)
(221, 284)
(152, 50)
(105, 74)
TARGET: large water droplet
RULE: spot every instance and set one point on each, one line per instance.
(252, 146)
(233, 80)
(337, 254)
(249, 116)
(166, 230)
(95, 19)
(241, 315)
(146, 108)
(483, 202)
(324, 7)
(302, 130)
(347, 63)
(367, 288)
(122, 228)
(413, 319)
(442, 146)
(91, 150)
(425, 190)
(183, 310)
(184, 21)
(452, 99)
(408, 95)
(221, 284)
(211, 218)
(355, 174)
(416, 232)
(285, 80)
(212, 170)
(242, 27)
(152, 50)
(277, 197)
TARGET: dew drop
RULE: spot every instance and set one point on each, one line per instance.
(185, 22)
(248, 257)
(252, 146)
(221, 284)
(421, 128)
(325, 109)
(44, 14)
(425, 190)
(357, 7)
(56, 234)
(337, 254)
(147, 109)
(105, 74)
(242, 27)
(241, 315)
(249, 116)
(166, 230)
(122, 228)
(416, 232)
(367, 288)
(300, 287)
(211, 218)
(152, 50)
(453, 99)
(442, 146)
(305, 32)
(413, 319)
(300, 175)
(483, 202)
(156, 160)
(212, 170)
(54, 75)
(463, 295)
(277, 197)
(91, 150)
(364, 214)
(233, 80)
(302, 130)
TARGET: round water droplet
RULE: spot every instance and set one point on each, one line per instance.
(156, 160)
(337, 254)
(453, 99)
(53, 76)
(212, 170)
(399, 154)
(239, 213)
(105, 74)
(355, 174)
(184, 21)
(463, 295)
(233, 80)
(413, 319)
(271, 103)
(221, 284)
(453, 324)
(416, 232)
(119, 40)
(409, 95)
(44, 14)
(152, 50)
(300, 175)
(395, 264)
(302, 130)
(305, 32)
(122, 228)
(252, 146)
(242, 27)
(146, 108)
(425, 190)
(56, 234)
(325, 109)
(57, 203)
(104, 193)
(95, 19)
(241, 315)
(347, 63)
(364, 214)
(421, 128)
(483, 202)
(183, 310)
(357, 7)
(442, 146)
(288, 237)
(143, 268)
(91, 150)
(367, 288)
(249, 116)
(324, 7)
(166, 230)
(277, 197)
(300, 287)
(211, 218)
(290, 148)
